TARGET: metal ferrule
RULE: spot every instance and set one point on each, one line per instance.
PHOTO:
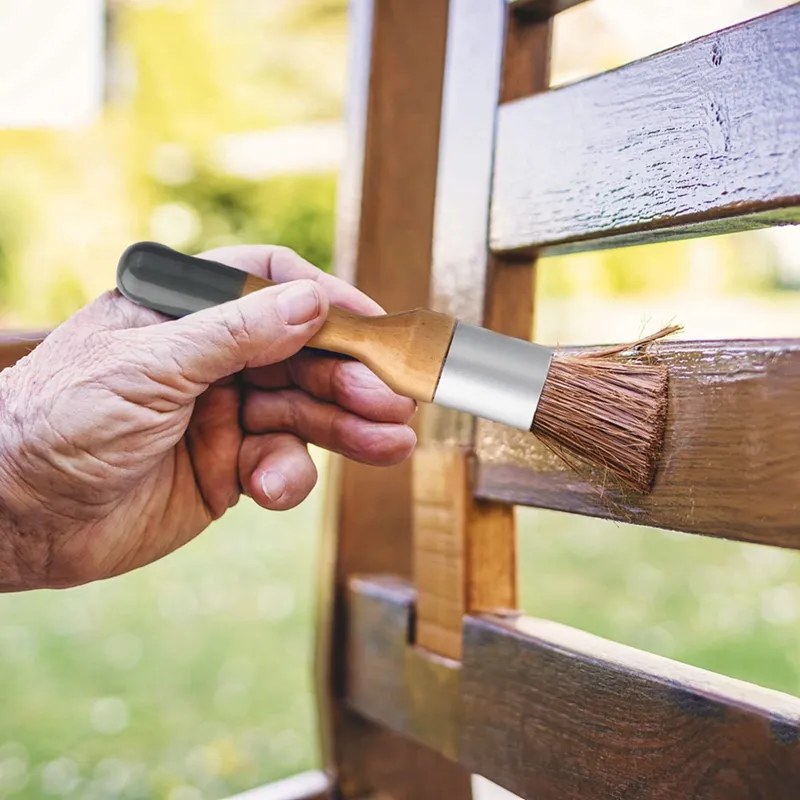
(493, 376)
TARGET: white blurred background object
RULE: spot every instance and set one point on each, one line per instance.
(51, 62)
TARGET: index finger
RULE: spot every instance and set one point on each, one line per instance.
(281, 264)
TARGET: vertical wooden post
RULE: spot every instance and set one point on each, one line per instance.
(465, 550)
(384, 245)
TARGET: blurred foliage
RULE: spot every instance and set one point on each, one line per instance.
(296, 212)
(182, 74)
(188, 680)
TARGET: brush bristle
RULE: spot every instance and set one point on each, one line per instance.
(610, 413)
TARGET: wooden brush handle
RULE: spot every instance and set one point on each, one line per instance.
(406, 350)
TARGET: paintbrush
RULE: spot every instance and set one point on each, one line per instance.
(603, 411)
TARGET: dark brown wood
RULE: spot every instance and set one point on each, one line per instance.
(729, 466)
(384, 244)
(526, 67)
(699, 139)
(552, 713)
(540, 9)
(16, 345)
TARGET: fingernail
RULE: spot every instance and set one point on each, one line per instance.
(298, 303)
(273, 485)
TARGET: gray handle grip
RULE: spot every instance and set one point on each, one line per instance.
(162, 279)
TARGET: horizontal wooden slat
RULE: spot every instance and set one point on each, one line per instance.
(703, 138)
(541, 9)
(14, 345)
(407, 688)
(730, 465)
(552, 713)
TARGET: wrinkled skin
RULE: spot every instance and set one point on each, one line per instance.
(124, 435)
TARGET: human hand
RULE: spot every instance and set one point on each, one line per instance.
(123, 435)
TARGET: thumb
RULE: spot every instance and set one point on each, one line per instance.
(261, 328)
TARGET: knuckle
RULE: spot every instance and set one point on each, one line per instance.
(236, 326)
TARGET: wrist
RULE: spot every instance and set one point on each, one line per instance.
(22, 560)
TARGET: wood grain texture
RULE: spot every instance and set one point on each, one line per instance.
(553, 713)
(15, 345)
(384, 236)
(464, 550)
(474, 68)
(406, 349)
(440, 498)
(729, 466)
(406, 688)
(699, 139)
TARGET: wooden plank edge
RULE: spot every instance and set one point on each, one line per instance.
(547, 711)
(728, 467)
(732, 218)
(552, 712)
(675, 149)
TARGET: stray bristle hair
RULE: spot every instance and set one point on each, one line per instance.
(607, 412)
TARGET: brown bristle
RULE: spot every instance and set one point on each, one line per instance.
(610, 413)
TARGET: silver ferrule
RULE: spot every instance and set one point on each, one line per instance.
(493, 376)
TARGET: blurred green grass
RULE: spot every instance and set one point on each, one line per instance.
(191, 679)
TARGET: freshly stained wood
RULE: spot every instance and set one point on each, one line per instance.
(469, 105)
(553, 713)
(702, 138)
(384, 236)
(729, 466)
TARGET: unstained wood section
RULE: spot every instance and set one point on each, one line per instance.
(440, 547)
(552, 713)
(730, 464)
(384, 237)
(464, 549)
(701, 138)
